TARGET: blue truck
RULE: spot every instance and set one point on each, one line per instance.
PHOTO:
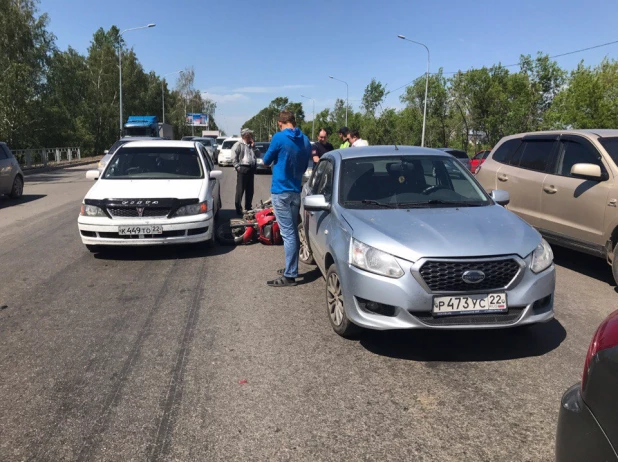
(148, 126)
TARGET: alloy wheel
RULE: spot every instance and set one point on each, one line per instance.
(335, 299)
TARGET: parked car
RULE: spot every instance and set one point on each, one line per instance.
(127, 139)
(219, 141)
(389, 228)
(209, 144)
(225, 153)
(460, 155)
(188, 138)
(173, 197)
(478, 159)
(11, 176)
(565, 184)
(588, 422)
(262, 147)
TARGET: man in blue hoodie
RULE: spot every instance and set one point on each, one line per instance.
(289, 154)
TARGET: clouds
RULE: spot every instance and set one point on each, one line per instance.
(239, 95)
(227, 98)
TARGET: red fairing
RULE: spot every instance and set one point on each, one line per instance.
(269, 229)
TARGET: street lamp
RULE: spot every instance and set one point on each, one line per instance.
(426, 85)
(313, 122)
(120, 64)
(163, 92)
(346, 97)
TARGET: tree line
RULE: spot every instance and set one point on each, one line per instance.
(473, 110)
(53, 98)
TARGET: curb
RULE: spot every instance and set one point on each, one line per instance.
(86, 161)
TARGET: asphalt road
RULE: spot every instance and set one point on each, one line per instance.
(185, 354)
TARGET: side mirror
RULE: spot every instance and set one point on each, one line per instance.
(92, 174)
(587, 172)
(316, 203)
(500, 197)
(106, 151)
(215, 174)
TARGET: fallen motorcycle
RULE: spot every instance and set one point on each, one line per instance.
(256, 225)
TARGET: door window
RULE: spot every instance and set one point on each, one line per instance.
(505, 151)
(3, 153)
(571, 153)
(325, 185)
(533, 155)
(317, 177)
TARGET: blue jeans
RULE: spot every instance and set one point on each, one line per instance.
(287, 208)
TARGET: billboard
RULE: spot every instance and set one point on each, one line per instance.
(197, 120)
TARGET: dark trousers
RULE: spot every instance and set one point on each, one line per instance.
(244, 185)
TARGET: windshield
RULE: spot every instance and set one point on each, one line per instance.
(206, 141)
(116, 145)
(228, 144)
(154, 163)
(220, 140)
(407, 181)
(611, 146)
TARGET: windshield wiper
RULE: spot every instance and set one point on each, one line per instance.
(438, 202)
(372, 202)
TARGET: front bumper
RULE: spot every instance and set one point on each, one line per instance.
(224, 160)
(579, 436)
(530, 299)
(184, 230)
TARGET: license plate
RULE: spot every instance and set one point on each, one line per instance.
(492, 303)
(136, 230)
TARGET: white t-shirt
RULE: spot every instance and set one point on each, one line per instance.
(360, 142)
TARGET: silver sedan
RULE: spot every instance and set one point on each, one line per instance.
(390, 228)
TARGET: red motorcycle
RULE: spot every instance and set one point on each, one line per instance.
(259, 224)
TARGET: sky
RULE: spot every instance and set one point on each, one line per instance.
(246, 53)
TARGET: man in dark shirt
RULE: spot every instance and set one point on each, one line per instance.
(321, 147)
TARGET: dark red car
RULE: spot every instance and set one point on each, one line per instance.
(478, 159)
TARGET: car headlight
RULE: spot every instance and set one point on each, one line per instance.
(92, 211)
(193, 209)
(373, 260)
(542, 257)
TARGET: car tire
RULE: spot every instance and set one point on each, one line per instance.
(615, 264)
(93, 248)
(304, 253)
(18, 188)
(335, 306)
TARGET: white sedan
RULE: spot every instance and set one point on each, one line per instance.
(152, 193)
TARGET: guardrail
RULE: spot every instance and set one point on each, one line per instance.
(42, 157)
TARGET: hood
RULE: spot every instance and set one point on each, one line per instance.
(145, 189)
(293, 133)
(444, 232)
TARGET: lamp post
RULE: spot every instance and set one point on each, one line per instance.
(313, 122)
(347, 92)
(163, 92)
(120, 64)
(426, 85)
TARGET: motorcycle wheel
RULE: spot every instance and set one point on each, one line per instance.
(226, 235)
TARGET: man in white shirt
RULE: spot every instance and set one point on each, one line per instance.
(355, 139)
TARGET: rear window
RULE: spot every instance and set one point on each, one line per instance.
(458, 154)
(228, 144)
(611, 146)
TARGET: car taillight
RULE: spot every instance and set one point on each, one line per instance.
(604, 338)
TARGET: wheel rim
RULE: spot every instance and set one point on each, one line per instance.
(305, 254)
(18, 188)
(334, 299)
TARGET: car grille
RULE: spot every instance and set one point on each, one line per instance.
(446, 276)
(509, 317)
(129, 212)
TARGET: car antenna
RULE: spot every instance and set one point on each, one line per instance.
(396, 148)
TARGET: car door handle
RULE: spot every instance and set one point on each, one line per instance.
(503, 178)
(550, 189)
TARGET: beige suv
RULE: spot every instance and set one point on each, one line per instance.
(564, 183)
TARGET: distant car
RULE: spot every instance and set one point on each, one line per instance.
(225, 153)
(11, 176)
(460, 155)
(262, 147)
(209, 144)
(110, 152)
(188, 138)
(172, 196)
(387, 227)
(478, 159)
(588, 422)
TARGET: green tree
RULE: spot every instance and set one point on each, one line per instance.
(373, 97)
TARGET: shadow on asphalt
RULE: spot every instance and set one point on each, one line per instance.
(467, 345)
(54, 175)
(6, 201)
(584, 264)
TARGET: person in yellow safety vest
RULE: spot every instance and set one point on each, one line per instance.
(343, 135)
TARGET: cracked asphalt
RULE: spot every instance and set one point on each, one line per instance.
(184, 354)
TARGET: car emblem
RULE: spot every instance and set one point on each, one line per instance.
(140, 212)
(473, 276)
